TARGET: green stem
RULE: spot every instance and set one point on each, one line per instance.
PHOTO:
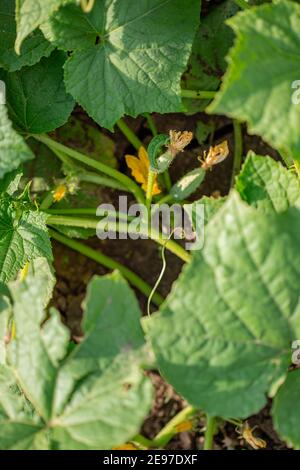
(88, 176)
(210, 432)
(198, 94)
(109, 263)
(122, 227)
(169, 430)
(101, 180)
(151, 179)
(242, 4)
(87, 5)
(129, 134)
(129, 183)
(238, 150)
(151, 124)
(86, 211)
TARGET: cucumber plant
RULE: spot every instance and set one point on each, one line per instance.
(223, 337)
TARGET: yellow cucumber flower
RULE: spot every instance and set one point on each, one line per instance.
(59, 193)
(139, 167)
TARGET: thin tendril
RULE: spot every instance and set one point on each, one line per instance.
(164, 265)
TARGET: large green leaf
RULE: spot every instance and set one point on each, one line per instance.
(36, 97)
(34, 47)
(286, 410)
(211, 44)
(267, 184)
(94, 397)
(263, 66)
(223, 337)
(30, 14)
(128, 56)
(13, 149)
(23, 237)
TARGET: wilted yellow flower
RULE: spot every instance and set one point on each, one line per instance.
(255, 442)
(140, 167)
(178, 141)
(184, 426)
(59, 193)
(215, 155)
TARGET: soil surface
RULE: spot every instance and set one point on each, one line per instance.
(74, 271)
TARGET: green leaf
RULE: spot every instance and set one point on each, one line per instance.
(42, 268)
(188, 184)
(13, 150)
(223, 336)
(127, 59)
(34, 48)
(267, 184)
(95, 396)
(77, 232)
(211, 207)
(5, 313)
(42, 111)
(203, 129)
(207, 61)
(263, 65)
(23, 237)
(30, 14)
(286, 410)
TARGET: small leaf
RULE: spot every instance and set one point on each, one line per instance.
(286, 410)
(188, 184)
(23, 237)
(10, 182)
(43, 111)
(267, 184)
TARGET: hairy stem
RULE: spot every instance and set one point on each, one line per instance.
(129, 134)
(151, 179)
(238, 150)
(109, 263)
(117, 175)
(169, 430)
(151, 124)
(210, 432)
(121, 227)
